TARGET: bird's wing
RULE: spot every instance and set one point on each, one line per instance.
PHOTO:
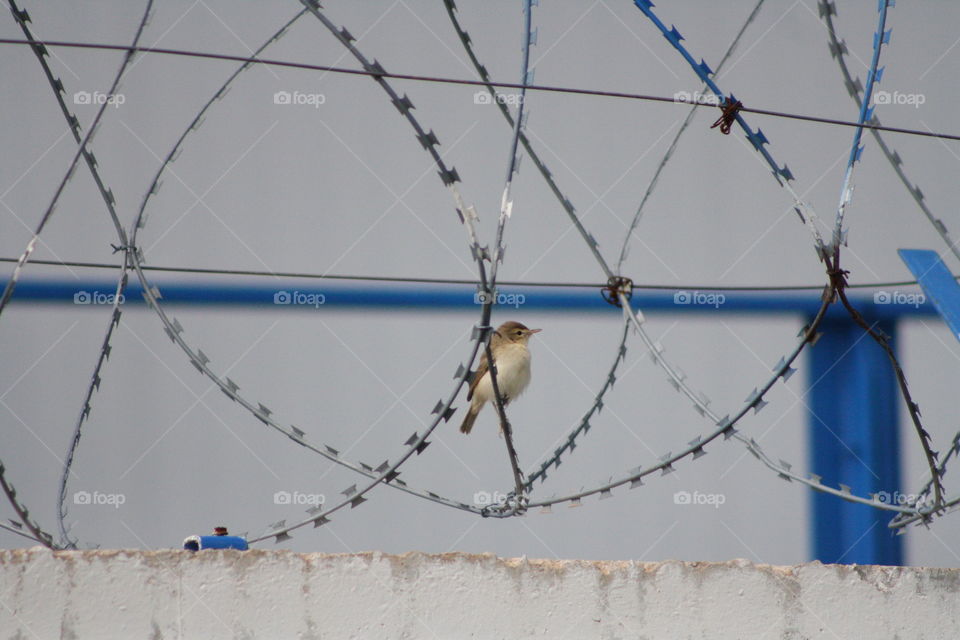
(477, 375)
(495, 340)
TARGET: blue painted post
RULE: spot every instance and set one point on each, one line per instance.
(854, 440)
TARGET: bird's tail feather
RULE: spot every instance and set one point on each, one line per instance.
(468, 420)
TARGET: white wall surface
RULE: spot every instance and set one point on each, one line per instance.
(279, 594)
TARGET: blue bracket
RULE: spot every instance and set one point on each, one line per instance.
(937, 282)
(854, 441)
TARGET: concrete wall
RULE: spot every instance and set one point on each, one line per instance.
(279, 594)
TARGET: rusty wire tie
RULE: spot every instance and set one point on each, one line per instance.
(615, 286)
(726, 119)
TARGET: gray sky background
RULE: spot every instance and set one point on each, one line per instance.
(345, 188)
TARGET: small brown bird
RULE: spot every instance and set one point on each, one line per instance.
(508, 344)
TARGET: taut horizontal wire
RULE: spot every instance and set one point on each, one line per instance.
(473, 83)
(414, 280)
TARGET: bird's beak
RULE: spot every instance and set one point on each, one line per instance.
(532, 331)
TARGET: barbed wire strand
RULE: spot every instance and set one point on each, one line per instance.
(476, 83)
(913, 409)
(382, 473)
(902, 520)
(569, 442)
(782, 175)
(467, 215)
(726, 427)
(755, 399)
(19, 532)
(874, 75)
(757, 139)
(696, 447)
(516, 499)
(566, 204)
(174, 328)
(115, 312)
(675, 376)
(584, 425)
(703, 71)
(625, 248)
(36, 531)
(838, 50)
(22, 18)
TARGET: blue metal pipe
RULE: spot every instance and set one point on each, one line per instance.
(854, 438)
(884, 306)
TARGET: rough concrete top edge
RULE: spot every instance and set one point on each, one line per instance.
(15, 556)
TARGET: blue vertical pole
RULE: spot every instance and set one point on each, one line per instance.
(854, 440)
